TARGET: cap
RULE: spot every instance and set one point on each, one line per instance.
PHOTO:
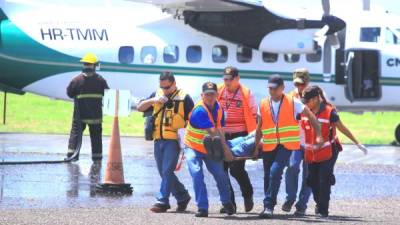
(231, 72)
(275, 80)
(309, 93)
(209, 87)
(301, 76)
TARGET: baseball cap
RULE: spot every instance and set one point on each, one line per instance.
(230, 72)
(275, 81)
(301, 76)
(209, 87)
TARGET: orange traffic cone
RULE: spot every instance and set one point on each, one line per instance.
(114, 182)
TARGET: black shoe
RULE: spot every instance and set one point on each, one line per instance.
(183, 205)
(287, 206)
(266, 213)
(201, 213)
(300, 212)
(316, 210)
(323, 215)
(222, 210)
(159, 208)
(229, 208)
(248, 204)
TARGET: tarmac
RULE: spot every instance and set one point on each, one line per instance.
(367, 190)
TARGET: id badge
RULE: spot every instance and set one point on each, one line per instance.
(225, 115)
(239, 104)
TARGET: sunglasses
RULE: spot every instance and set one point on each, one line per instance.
(166, 87)
(299, 85)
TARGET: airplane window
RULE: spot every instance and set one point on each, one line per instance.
(193, 54)
(220, 54)
(244, 54)
(391, 38)
(370, 34)
(269, 57)
(148, 54)
(292, 58)
(171, 54)
(314, 57)
(125, 54)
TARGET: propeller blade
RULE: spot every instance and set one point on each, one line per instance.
(333, 41)
(366, 5)
(326, 7)
(322, 32)
(327, 58)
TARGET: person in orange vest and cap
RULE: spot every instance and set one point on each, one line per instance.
(205, 122)
(322, 159)
(279, 130)
(240, 119)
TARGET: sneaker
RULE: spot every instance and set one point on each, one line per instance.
(159, 208)
(229, 208)
(266, 213)
(201, 213)
(183, 205)
(300, 212)
(287, 206)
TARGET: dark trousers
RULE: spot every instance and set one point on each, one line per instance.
(75, 137)
(237, 170)
(320, 179)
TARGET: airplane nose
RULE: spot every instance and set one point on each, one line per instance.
(335, 24)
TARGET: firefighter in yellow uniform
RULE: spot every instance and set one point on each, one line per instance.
(279, 130)
(87, 90)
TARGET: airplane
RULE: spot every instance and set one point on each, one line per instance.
(355, 61)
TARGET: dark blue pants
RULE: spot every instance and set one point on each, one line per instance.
(320, 179)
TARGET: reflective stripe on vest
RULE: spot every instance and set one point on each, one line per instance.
(250, 121)
(81, 96)
(313, 153)
(288, 131)
(193, 136)
(92, 121)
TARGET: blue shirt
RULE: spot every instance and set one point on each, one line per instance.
(200, 120)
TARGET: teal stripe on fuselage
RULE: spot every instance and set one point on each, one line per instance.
(39, 62)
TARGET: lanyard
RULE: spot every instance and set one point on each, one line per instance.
(273, 112)
(230, 100)
(212, 115)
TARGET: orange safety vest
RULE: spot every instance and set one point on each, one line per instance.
(314, 154)
(250, 120)
(287, 130)
(194, 137)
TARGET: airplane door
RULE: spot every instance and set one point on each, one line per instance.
(362, 75)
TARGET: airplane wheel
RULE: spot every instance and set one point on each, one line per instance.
(397, 133)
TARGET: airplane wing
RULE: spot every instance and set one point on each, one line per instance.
(173, 6)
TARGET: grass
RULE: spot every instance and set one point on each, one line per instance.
(35, 114)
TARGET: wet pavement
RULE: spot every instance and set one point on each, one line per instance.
(71, 185)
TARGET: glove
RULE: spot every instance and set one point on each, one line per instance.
(362, 148)
(162, 99)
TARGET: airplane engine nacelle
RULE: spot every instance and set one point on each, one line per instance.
(289, 41)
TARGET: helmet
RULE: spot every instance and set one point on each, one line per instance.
(89, 58)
